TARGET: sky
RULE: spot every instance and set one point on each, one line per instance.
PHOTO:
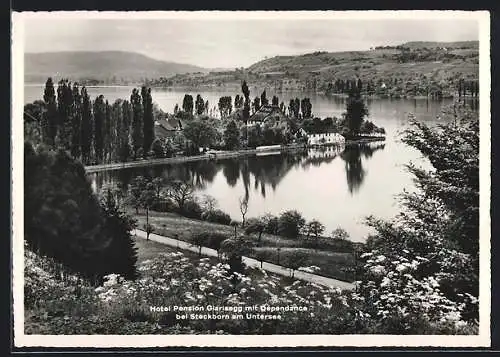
(230, 43)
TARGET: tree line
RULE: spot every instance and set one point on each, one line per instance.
(93, 131)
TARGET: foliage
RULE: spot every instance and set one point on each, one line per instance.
(65, 221)
(339, 233)
(314, 228)
(188, 104)
(225, 106)
(296, 260)
(123, 307)
(180, 192)
(290, 223)
(356, 111)
(200, 133)
(157, 149)
(432, 247)
(148, 129)
(216, 216)
(231, 136)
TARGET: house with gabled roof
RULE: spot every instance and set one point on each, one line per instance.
(266, 114)
(168, 127)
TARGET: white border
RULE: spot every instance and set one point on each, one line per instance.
(22, 340)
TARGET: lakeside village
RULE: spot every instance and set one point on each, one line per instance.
(86, 272)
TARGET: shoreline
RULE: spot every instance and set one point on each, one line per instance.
(219, 155)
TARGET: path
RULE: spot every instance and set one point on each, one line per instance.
(277, 269)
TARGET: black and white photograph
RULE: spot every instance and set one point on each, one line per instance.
(246, 179)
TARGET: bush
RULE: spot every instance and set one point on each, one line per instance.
(216, 216)
(191, 209)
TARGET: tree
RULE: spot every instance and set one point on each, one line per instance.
(225, 106)
(256, 104)
(64, 220)
(86, 127)
(246, 104)
(122, 253)
(199, 240)
(314, 228)
(157, 149)
(263, 98)
(99, 118)
(200, 133)
(187, 104)
(355, 112)
(148, 199)
(306, 107)
(275, 101)
(261, 255)
(234, 249)
(255, 225)
(340, 233)
(200, 105)
(64, 113)
(148, 119)
(76, 110)
(243, 210)
(295, 260)
(49, 122)
(290, 223)
(180, 192)
(135, 192)
(209, 203)
(432, 247)
(231, 136)
(137, 137)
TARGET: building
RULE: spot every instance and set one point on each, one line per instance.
(270, 114)
(323, 138)
(167, 128)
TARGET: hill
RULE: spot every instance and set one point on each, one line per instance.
(111, 67)
(416, 68)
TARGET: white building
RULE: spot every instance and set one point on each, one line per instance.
(324, 138)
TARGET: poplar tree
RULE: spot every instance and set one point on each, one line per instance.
(64, 113)
(246, 104)
(86, 127)
(137, 115)
(49, 120)
(76, 122)
(99, 118)
(149, 125)
(200, 105)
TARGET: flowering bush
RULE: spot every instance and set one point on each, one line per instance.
(119, 306)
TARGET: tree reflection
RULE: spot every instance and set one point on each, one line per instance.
(258, 173)
(355, 173)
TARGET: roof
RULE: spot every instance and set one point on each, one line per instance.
(265, 112)
(312, 131)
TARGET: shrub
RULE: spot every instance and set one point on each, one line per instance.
(191, 209)
(216, 216)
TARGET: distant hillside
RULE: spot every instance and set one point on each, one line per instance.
(104, 67)
(407, 70)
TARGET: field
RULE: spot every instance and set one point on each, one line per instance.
(332, 264)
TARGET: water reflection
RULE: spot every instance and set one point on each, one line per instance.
(262, 173)
(355, 173)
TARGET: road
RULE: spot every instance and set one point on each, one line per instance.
(277, 269)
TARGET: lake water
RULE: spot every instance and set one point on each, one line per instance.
(339, 188)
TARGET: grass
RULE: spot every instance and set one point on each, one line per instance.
(148, 250)
(337, 265)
